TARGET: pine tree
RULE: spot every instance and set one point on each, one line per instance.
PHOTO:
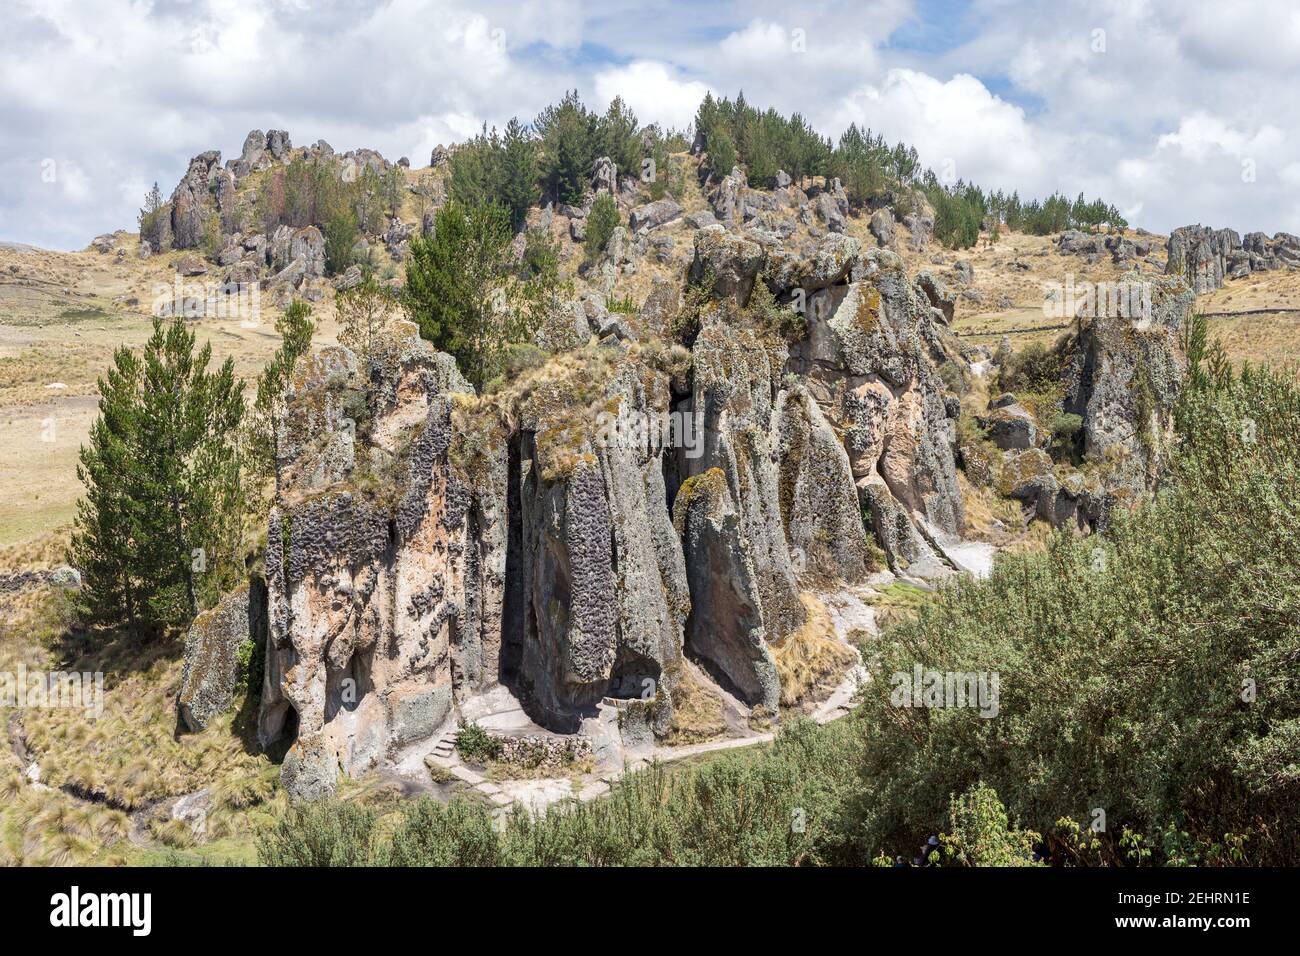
(296, 329)
(157, 535)
(616, 137)
(722, 153)
(151, 218)
(518, 173)
(568, 132)
(601, 223)
(364, 312)
(454, 281)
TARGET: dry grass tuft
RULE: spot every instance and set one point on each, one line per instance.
(697, 711)
(811, 662)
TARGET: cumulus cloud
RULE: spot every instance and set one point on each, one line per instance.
(1154, 105)
(654, 93)
(958, 127)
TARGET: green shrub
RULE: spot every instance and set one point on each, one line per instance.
(622, 306)
(602, 220)
(1142, 679)
(1035, 368)
(325, 833)
(779, 805)
(476, 744)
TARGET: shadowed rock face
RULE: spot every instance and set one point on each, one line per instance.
(732, 638)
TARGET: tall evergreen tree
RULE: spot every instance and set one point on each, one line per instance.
(518, 173)
(465, 292)
(157, 535)
(568, 132)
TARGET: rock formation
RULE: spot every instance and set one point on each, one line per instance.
(1207, 257)
(213, 649)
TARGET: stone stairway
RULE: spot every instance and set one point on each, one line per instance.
(445, 748)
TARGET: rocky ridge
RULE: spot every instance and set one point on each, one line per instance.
(428, 544)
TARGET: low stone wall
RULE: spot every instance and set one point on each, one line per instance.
(536, 750)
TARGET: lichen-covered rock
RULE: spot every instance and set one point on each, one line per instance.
(939, 295)
(213, 671)
(654, 214)
(870, 361)
(191, 202)
(1123, 377)
(308, 245)
(726, 627)
(819, 502)
(736, 384)
(830, 263)
(603, 597)
(727, 264)
(1012, 426)
(1199, 254)
(371, 561)
(728, 200)
(427, 544)
(882, 228)
(564, 327)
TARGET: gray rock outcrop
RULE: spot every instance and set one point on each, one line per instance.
(213, 669)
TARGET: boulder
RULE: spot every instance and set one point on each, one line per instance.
(728, 198)
(937, 294)
(1012, 426)
(728, 263)
(191, 266)
(216, 654)
(870, 361)
(829, 211)
(604, 176)
(278, 145)
(882, 227)
(830, 263)
(654, 214)
(701, 219)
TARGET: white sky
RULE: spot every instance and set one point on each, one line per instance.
(1176, 110)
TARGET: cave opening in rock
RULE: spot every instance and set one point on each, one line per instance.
(346, 689)
(634, 676)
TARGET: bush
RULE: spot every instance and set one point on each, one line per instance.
(341, 234)
(326, 833)
(775, 806)
(1035, 368)
(476, 745)
(601, 223)
(1134, 672)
